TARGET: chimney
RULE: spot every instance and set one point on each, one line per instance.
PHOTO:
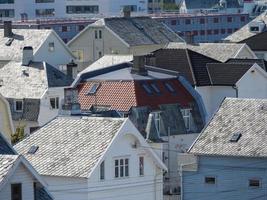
(27, 55)
(72, 69)
(126, 12)
(8, 29)
(139, 66)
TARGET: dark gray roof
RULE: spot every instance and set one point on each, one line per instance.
(5, 147)
(245, 116)
(260, 62)
(31, 108)
(226, 74)
(141, 31)
(209, 4)
(70, 146)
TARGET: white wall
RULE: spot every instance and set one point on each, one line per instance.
(60, 56)
(213, 96)
(21, 175)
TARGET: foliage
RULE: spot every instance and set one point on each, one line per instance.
(18, 135)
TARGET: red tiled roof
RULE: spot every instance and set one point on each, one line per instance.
(122, 95)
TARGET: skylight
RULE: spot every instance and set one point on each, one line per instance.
(155, 87)
(33, 149)
(235, 137)
(169, 87)
(147, 88)
(94, 88)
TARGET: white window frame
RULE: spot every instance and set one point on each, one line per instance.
(186, 113)
(15, 105)
(122, 167)
(57, 103)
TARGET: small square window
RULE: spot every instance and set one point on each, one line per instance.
(255, 183)
(54, 103)
(210, 180)
(18, 105)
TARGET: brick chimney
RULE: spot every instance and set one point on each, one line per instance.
(139, 66)
(8, 29)
(27, 55)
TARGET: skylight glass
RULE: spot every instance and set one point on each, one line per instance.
(169, 87)
(147, 88)
(155, 87)
(94, 88)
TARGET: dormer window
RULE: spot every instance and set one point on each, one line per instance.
(18, 106)
(54, 103)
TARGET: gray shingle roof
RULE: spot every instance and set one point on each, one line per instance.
(6, 164)
(244, 32)
(22, 38)
(70, 146)
(208, 4)
(141, 31)
(245, 116)
(29, 81)
(5, 148)
(218, 51)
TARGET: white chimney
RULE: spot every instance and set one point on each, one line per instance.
(27, 55)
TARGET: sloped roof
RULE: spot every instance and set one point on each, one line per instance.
(235, 115)
(209, 4)
(260, 62)
(256, 43)
(6, 164)
(190, 64)
(244, 32)
(5, 147)
(69, 146)
(22, 38)
(218, 51)
(226, 74)
(30, 81)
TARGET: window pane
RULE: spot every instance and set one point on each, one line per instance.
(210, 180)
(141, 166)
(254, 183)
(16, 193)
(102, 170)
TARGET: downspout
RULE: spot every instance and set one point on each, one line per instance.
(155, 185)
(236, 90)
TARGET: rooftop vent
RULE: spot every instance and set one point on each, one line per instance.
(139, 66)
(8, 29)
(256, 26)
(235, 137)
(33, 149)
(9, 41)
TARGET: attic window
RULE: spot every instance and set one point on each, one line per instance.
(235, 137)
(147, 89)
(51, 46)
(155, 88)
(169, 87)
(93, 89)
(33, 149)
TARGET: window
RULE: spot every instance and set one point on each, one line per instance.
(147, 89)
(121, 167)
(96, 35)
(202, 21)
(51, 46)
(242, 18)
(93, 9)
(6, 1)
(216, 31)
(78, 54)
(209, 32)
(102, 170)
(156, 116)
(210, 180)
(100, 34)
(187, 118)
(216, 20)
(202, 32)
(229, 19)
(65, 28)
(7, 13)
(93, 89)
(80, 27)
(44, 1)
(16, 192)
(45, 12)
(99, 54)
(235, 137)
(155, 88)
(169, 87)
(54, 103)
(173, 22)
(254, 183)
(188, 21)
(18, 105)
(195, 33)
(223, 31)
(141, 166)
(229, 30)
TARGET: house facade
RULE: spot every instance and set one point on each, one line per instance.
(229, 163)
(106, 158)
(34, 90)
(120, 35)
(6, 123)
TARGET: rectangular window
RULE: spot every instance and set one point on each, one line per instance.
(102, 170)
(78, 55)
(210, 180)
(173, 22)
(93, 89)
(195, 33)
(96, 35)
(187, 118)
(16, 192)
(242, 18)
(80, 27)
(216, 31)
(10, 13)
(77, 9)
(6, 1)
(45, 12)
(155, 88)
(54, 103)
(255, 183)
(169, 87)
(188, 21)
(51, 46)
(100, 34)
(209, 32)
(202, 20)
(216, 20)
(65, 28)
(229, 30)
(18, 105)
(141, 166)
(202, 32)
(223, 31)
(121, 168)
(44, 1)
(229, 19)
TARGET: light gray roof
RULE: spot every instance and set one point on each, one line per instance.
(22, 38)
(30, 81)
(106, 61)
(244, 32)
(245, 116)
(70, 146)
(218, 51)
(6, 164)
